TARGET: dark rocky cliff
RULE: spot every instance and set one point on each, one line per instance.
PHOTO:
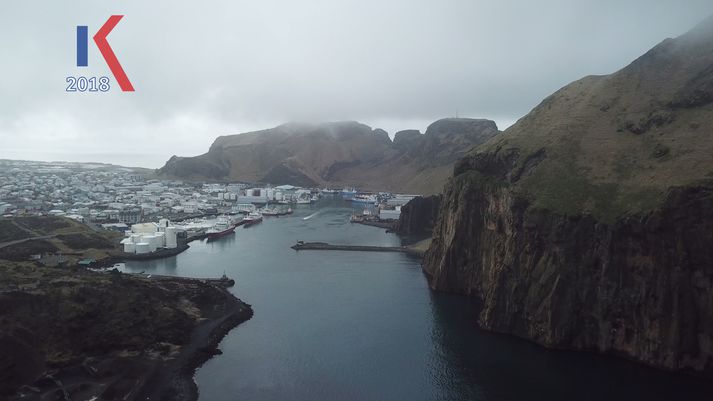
(642, 287)
(419, 215)
(589, 224)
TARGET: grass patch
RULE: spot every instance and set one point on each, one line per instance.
(560, 184)
(83, 241)
(567, 192)
(20, 252)
(472, 178)
(43, 225)
(10, 232)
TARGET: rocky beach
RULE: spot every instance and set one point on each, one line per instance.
(79, 334)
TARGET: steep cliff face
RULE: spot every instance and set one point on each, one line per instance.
(419, 215)
(642, 287)
(337, 154)
(588, 224)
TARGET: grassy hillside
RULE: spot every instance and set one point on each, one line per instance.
(49, 234)
(614, 145)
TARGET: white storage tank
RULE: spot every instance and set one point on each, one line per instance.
(152, 241)
(147, 228)
(171, 240)
(129, 247)
(143, 247)
(161, 239)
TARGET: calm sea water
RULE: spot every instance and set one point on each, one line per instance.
(365, 326)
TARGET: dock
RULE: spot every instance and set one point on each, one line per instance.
(159, 254)
(418, 249)
(323, 246)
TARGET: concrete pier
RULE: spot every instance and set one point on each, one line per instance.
(323, 246)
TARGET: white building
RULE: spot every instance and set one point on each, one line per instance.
(243, 208)
(76, 217)
(400, 199)
(256, 195)
(390, 214)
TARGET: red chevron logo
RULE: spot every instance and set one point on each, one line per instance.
(108, 53)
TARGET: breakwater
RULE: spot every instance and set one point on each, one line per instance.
(323, 246)
(415, 249)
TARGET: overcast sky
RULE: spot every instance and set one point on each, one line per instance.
(208, 68)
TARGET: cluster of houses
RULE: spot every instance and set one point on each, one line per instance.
(103, 194)
(117, 197)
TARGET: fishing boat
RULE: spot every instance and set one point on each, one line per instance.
(266, 211)
(327, 191)
(303, 197)
(252, 218)
(363, 198)
(221, 228)
(348, 193)
(364, 216)
(271, 212)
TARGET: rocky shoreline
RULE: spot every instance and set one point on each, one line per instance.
(78, 334)
(175, 380)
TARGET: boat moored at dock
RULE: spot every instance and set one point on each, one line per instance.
(348, 193)
(274, 211)
(252, 218)
(365, 199)
(221, 228)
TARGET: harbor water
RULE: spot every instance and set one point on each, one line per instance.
(331, 325)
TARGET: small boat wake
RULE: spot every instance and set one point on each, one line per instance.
(310, 216)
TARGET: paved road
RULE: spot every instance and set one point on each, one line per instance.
(20, 241)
